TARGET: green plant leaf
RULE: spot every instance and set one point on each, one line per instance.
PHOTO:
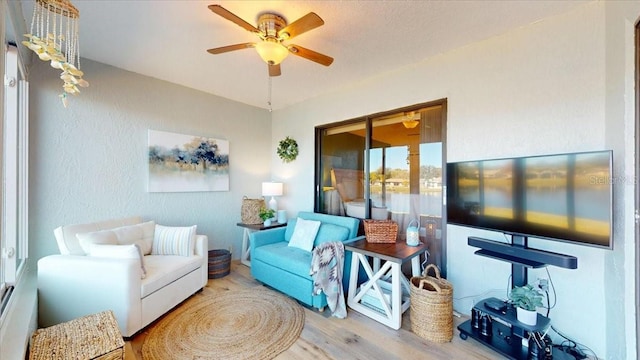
(526, 297)
(266, 213)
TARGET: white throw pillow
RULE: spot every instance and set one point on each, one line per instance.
(131, 251)
(104, 237)
(141, 234)
(171, 240)
(304, 234)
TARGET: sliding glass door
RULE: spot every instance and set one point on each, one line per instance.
(340, 172)
(387, 166)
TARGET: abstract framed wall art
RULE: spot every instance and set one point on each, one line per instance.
(187, 163)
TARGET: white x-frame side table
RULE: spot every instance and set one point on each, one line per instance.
(393, 255)
(245, 256)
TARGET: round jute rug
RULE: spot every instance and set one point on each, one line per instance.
(245, 324)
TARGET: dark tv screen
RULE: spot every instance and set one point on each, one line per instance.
(565, 197)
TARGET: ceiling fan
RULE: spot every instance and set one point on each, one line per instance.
(272, 29)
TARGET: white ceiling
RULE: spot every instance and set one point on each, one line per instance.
(168, 40)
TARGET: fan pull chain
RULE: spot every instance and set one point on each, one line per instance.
(269, 98)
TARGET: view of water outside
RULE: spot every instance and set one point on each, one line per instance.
(396, 178)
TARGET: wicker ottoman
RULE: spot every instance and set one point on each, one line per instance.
(94, 336)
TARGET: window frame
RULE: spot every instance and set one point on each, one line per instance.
(14, 136)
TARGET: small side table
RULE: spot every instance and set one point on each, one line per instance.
(389, 297)
(245, 256)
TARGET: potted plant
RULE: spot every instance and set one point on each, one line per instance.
(526, 299)
(266, 215)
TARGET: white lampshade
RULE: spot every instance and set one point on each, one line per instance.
(272, 189)
(272, 52)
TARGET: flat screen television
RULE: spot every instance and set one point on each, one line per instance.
(564, 197)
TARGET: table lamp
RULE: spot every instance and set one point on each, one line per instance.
(272, 189)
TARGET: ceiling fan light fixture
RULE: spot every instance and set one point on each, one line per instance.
(410, 120)
(410, 124)
(271, 51)
(272, 29)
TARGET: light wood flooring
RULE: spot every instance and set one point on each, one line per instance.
(356, 337)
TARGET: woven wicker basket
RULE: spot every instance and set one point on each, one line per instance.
(432, 306)
(250, 212)
(380, 231)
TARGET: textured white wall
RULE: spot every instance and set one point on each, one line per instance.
(89, 162)
(620, 111)
(559, 85)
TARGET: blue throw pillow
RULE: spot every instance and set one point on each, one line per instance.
(331, 232)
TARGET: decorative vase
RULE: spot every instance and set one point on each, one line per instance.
(282, 216)
(529, 317)
(267, 222)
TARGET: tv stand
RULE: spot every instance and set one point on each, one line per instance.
(508, 336)
(507, 332)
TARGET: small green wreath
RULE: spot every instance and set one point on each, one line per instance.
(288, 149)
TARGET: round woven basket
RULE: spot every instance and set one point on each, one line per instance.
(432, 306)
(249, 213)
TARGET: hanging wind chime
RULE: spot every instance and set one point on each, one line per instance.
(54, 37)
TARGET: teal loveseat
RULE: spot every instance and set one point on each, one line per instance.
(286, 268)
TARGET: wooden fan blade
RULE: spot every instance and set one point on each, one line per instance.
(274, 70)
(311, 55)
(224, 49)
(233, 18)
(302, 25)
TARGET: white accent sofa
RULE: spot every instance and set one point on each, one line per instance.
(74, 284)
